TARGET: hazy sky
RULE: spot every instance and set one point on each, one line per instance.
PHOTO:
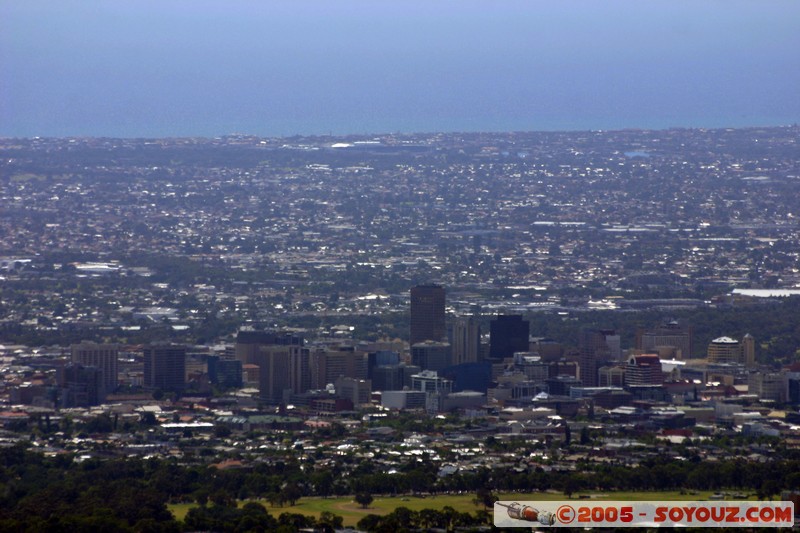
(160, 68)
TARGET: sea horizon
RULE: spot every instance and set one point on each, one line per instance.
(376, 134)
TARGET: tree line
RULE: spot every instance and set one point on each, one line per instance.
(61, 493)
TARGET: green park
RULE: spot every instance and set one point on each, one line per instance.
(351, 511)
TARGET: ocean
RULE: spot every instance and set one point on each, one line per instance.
(281, 68)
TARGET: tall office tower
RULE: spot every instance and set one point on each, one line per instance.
(508, 334)
(669, 334)
(427, 314)
(102, 356)
(225, 372)
(748, 350)
(299, 369)
(164, 366)
(465, 340)
(82, 386)
(328, 365)
(430, 355)
(597, 349)
(274, 371)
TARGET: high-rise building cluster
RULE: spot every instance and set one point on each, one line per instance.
(456, 361)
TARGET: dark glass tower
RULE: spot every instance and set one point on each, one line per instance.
(508, 334)
(165, 366)
(427, 314)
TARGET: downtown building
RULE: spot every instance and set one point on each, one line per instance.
(427, 314)
(328, 365)
(508, 334)
(165, 367)
(728, 350)
(282, 360)
(597, 348)
(104, 357)
(678, 339)
(465, 340)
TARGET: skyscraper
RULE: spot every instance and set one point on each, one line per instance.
(748, 350)
(274, 371)
(102, 356)
(82, 386)
(508, 334)
(427, 314)
(224, 372)
(465, 340)
(165, 366)
(597, 348)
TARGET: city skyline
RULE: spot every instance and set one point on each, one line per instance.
(374, 266)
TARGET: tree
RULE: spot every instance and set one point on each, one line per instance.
(485, 497)
(329, 520)
(323, 482)
(371, 522)
(292, 493)
(768, 489)
(420, 480)
(484, 517)
(364, 499)
(295, 521)
(275, 499)
(221, 498)
(100, 424)
(201, 496)
(571, 485)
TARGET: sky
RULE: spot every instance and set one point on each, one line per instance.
(201, 68)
